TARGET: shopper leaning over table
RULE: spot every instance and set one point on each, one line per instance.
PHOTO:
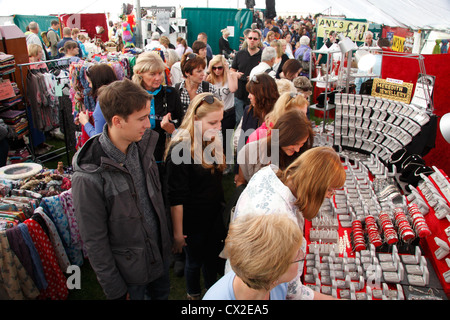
(299, 190)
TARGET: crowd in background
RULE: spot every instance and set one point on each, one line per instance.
(262, 89)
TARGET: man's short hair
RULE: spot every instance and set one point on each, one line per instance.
(156, 35)
(203, 35)
(67, 32)
(268, 54)
(197, 45)
(33, 25)
(54, 22)
(122, 98)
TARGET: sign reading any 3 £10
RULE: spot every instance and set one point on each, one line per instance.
(392, 89)
(353, 29)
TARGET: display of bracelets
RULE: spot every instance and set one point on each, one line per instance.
(420, 225)
(404, 228)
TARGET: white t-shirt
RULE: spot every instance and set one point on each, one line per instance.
(225, 95)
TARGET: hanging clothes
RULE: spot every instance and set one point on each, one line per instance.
(23, 252)
(57, 289)
(61, 255)
(437, 48)
(38, 268)
(42, 100)
(444, 47)
(52, 206)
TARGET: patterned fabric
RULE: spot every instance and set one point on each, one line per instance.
(57, 289)
(53, 208)
(38, 269)
(266, 194)
(67, 204)
(15, 282)
(61, 255)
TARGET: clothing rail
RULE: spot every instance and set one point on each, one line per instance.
(62, 63)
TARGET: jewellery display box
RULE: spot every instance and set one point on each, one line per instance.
(366, 241)
(376, 125)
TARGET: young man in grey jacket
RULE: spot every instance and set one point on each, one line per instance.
(118, 201)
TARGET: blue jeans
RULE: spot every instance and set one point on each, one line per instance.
(239, 106)
(202, 253)
(156, 290)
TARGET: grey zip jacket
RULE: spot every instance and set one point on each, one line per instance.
(118, 240)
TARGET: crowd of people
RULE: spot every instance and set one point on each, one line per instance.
(148, 183)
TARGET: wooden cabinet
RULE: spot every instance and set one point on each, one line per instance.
(13, 42)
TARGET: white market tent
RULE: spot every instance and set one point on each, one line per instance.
(431, 16)
(415, 14)
(428, 19)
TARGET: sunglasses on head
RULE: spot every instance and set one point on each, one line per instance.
(253, 38)
(254, 79)
(191, 56)
(217, 68)
(208, 98)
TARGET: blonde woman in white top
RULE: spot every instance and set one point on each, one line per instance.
(226, 83)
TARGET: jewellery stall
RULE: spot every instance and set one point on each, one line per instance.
(385, 234)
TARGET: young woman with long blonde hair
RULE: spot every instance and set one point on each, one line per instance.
(194, 166)
(226, 83)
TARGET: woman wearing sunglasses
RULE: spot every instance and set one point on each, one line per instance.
(226, 83)
(195, 193)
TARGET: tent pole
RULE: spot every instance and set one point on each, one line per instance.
(138, 24)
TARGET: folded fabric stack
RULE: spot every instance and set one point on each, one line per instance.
(7, 64)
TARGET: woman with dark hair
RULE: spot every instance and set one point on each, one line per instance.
(193, 69)
(199, 47)
(292, 135)
(262, 93)
(182, 47)
(291, 69)
(71, 51)
(98, 75)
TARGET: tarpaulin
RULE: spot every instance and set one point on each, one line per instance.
(88, 22)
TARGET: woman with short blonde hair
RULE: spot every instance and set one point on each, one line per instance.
(264, 254)
(166, 111)
(148, 61)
